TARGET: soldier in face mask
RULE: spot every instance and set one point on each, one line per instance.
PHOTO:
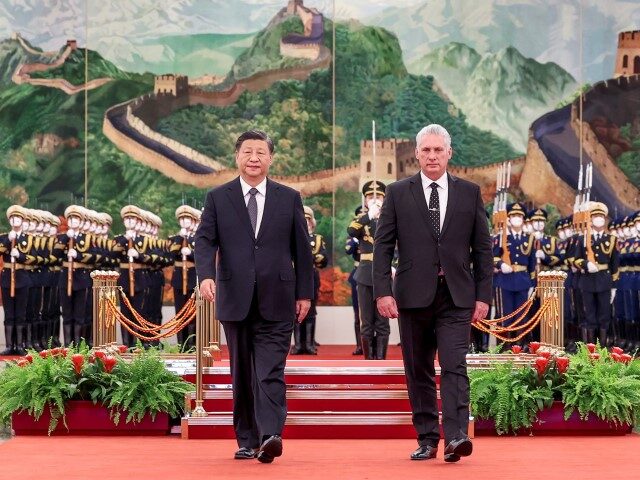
(598, 259)
(374, 328)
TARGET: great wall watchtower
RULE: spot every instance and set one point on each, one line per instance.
(72, 44)
(176, 85)
(628, 54)
(293, 5)
(395, 159)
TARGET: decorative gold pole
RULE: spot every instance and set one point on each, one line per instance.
(104, 289)
(201, 304)
(551, 291)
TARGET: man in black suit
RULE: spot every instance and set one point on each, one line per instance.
(253, 257)
(442, 284)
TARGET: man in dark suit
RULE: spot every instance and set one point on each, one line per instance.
(253, 257)
(442, 284)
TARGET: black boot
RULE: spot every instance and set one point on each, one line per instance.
(67, 331)
(382, 342)
(367, 348)
(21, 334)
(310, 341)
(297, 345)
(356, 327)
(43, 335)
(28, 340)
(78, 333)
(9, 335)
(602, 337)
(87, 334)
(54, 331)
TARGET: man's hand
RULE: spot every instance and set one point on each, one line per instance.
(374, 211)
(592, 267)
(480, 312)
(208, 289)
(387, 306)
(302, 308)
(506, 268)
(540, 255)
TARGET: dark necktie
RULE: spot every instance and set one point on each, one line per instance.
(434, 209)
(252, 207)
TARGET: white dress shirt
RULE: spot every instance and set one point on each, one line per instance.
(443, 193)
(260, 198)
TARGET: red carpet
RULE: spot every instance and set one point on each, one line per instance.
(546, 458)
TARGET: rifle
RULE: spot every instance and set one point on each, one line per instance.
(184, 267)
(132, 278)
(13, 271)
(70, 271)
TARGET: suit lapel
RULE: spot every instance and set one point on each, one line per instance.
(234, 192)
(452, 198)
(270, 206)
(421, 202)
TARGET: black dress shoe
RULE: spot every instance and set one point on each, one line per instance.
(461, 447)
(425, 452)
(245, 453)
(270, 448)
(357, 351)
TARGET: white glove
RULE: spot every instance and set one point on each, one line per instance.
(132, 253)
(506, 268)
(574, 269)
(184, 232)
(12, 235)
(613, 294)
(185, 251)
(592, 267)
(71, 233)
(15, 253)
(72, 253)
(374, 211)
(540, 254)
(529, 292)
(393, 272)
(130, 234)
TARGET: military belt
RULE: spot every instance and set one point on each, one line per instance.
(625, 269)
(603, 266)
(366, 257)
(77, 265)
(184, 264)
(55, 269)
(135, 266)
(19, 266)
(519, 268)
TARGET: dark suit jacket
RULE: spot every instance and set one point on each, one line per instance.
(278, 262)
(463, 250)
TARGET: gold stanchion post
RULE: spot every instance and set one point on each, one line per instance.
(199, 410)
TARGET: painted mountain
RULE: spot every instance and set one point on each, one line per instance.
(502, 92)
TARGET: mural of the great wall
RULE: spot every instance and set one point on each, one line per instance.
(148, 113)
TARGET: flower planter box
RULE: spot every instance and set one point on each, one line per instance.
(551, 421)
(85, 418)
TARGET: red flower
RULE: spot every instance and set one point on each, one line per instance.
(615, 356)
(516, 349)
(44, 353)
(78, 360)
(109, 362)
(55, 351)
(22, 362)
(99, 354)
(591, 347)
(545, 354)
(541, 364)
(29, 358)
(123, 348)
(562, 364)
(617, 350)
(626, 358)
(534, 346)
(594, 356)
(64, 352)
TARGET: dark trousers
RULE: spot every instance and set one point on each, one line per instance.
(257, 353)
(15, 309)
(74, 307)
(189, 331)
(597, 309)
(444, 328)
(511, 300)
(137, 302)
(372, 323)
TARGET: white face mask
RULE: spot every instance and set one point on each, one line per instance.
(15, 221)
(598, 222)
(568, 232)
(129, 223)
(626, 231)
(53, 231)
(374, 201)
(185, 222)
(538, 226)
(633, 231)
(74, 222)
(561, 235)
(515, 221)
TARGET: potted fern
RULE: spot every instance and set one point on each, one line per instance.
(593, 391)
(78, 391)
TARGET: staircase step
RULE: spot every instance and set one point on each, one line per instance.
(313, 425)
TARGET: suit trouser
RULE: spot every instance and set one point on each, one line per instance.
(597, 309)
(257, 353)
(371, 321)
(444, 328)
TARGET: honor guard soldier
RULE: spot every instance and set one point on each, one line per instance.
(304, 333)
(15, 247)
(598, 259)
(352, 248)
(183, 279)
(133, 279)
(158, 260)
(571, 330)
(374, 328)
(51, 308)
(626, 300)
(514, 279)
(545, 246)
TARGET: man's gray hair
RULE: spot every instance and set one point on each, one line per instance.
(434, 129)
